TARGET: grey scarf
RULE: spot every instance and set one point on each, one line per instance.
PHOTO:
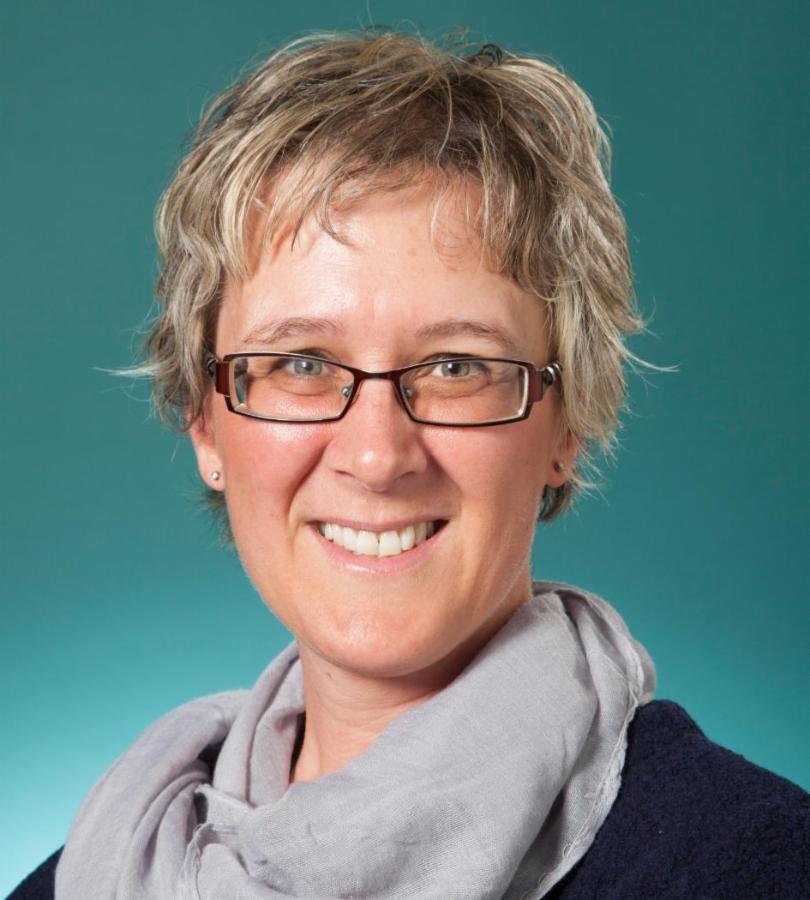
(494, 787)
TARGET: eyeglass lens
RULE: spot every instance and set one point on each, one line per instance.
(467, 391)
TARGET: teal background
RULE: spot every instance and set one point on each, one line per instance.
(117, 602)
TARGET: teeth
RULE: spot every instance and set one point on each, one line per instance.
(371, 543)
(390, 544)
(347, 537)
(367, 544)
(407, 537)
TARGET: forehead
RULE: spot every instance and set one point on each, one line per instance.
(396, 264)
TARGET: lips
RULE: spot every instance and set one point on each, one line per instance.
(382, 541)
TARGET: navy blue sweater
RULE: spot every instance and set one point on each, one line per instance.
(692, 820)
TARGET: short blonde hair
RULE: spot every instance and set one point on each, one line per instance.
(337, 116)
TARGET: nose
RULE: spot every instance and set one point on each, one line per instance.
(376, 443)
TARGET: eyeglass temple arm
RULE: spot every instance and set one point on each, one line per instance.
(219, 372)
(540, 379)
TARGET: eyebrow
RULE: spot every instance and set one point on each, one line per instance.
(271, 332)
(295, 326)
(447, 328)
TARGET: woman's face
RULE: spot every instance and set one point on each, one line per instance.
(385, 297)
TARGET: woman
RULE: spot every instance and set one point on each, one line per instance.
(395, 286)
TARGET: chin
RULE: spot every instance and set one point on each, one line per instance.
(370, 646)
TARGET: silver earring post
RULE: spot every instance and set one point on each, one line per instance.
(215, 476)
(559, 467)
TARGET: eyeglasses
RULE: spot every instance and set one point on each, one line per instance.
(455, 390)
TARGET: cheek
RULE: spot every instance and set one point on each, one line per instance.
(498, 471)
(265, 463)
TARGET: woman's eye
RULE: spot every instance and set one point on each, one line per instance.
(308, 367)
(453, 368)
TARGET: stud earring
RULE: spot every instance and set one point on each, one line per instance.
(215, 476)
(559, 467)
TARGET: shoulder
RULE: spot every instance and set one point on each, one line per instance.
(209, 716)
(691, 820)
(694, 819)
(39, 885)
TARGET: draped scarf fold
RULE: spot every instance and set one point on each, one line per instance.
(494, 787)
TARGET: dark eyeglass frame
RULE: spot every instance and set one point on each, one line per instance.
(539, 379)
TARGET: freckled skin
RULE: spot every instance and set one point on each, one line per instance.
(421, 626)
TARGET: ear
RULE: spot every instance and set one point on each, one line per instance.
(561, 464)
(203, 440)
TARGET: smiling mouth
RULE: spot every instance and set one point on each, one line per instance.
(380, 543)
